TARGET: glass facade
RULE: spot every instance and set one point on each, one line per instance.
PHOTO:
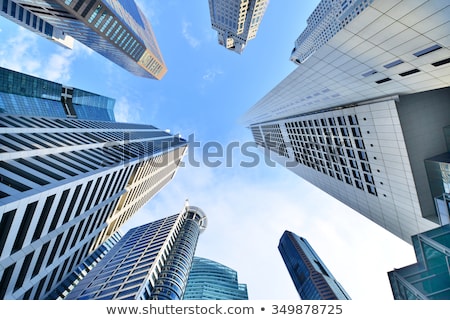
(438, 173)
(70, 178)
(126, 271)
(311, 277)
(151, 261)
(171, 283)
(80, 272)
(429, 278)
(25, 95)
(118, 30)
(210, 280)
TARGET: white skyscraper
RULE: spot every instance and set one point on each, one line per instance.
(68, 184)
(236, 21)
(365, 108)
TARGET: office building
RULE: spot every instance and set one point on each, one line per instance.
(25, 95)
(365, 108)
(25, 18)
(210, 280)
(151, 261)
(68, 184)
(236, 21)
(438, 172)
(67, 285)
(311, 277)
(118, 30)
(429, 278)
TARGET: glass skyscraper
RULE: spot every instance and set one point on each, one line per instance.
(236, 21)
(210, 280)
(429, 278)
(68, 183)
(116, 29)
(311, 277)
(151, 261)
(25, 95)
(365, 108)
(84, 268)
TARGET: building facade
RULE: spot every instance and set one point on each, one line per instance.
(25, 18)
(350, 118)
(236, 21)
(210, 280)
(151, 261)
(70, 282)
(309, 274)
(67, 184)
(429, 278)
(25, 95)
(118, 30)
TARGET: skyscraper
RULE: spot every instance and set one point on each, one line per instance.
(25, 95)
(311, 277)
(116, 29)
(151, 261)
(210, 280)
(67, 285)
(429, 278)
(236, 21)
(68, 184)
(365, 108)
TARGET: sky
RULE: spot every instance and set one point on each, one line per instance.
(249, 201)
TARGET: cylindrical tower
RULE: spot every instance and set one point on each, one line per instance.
(174, 274)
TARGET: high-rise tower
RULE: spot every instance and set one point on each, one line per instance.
(67, 284)
(25, 95)
(210, 280)
(67, 184)
(236, 21)
(151, 261)
(311, 277)
(365, 108)
(116, 29)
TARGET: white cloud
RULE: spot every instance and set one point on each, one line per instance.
(23, 52)
(126, 111)
(248, 210)
(20, 52)
(211, 74)
(185, 30)
(59, 64)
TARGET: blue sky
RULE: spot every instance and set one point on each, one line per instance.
(205, 91)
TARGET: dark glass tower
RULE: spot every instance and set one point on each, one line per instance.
(311, 277)
(210, 280)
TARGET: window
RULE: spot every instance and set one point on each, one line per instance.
(383, 80)
(427, 50)
(441, 62)
(410, 72)
(5, 225)
(393, 64)
(24, 225)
